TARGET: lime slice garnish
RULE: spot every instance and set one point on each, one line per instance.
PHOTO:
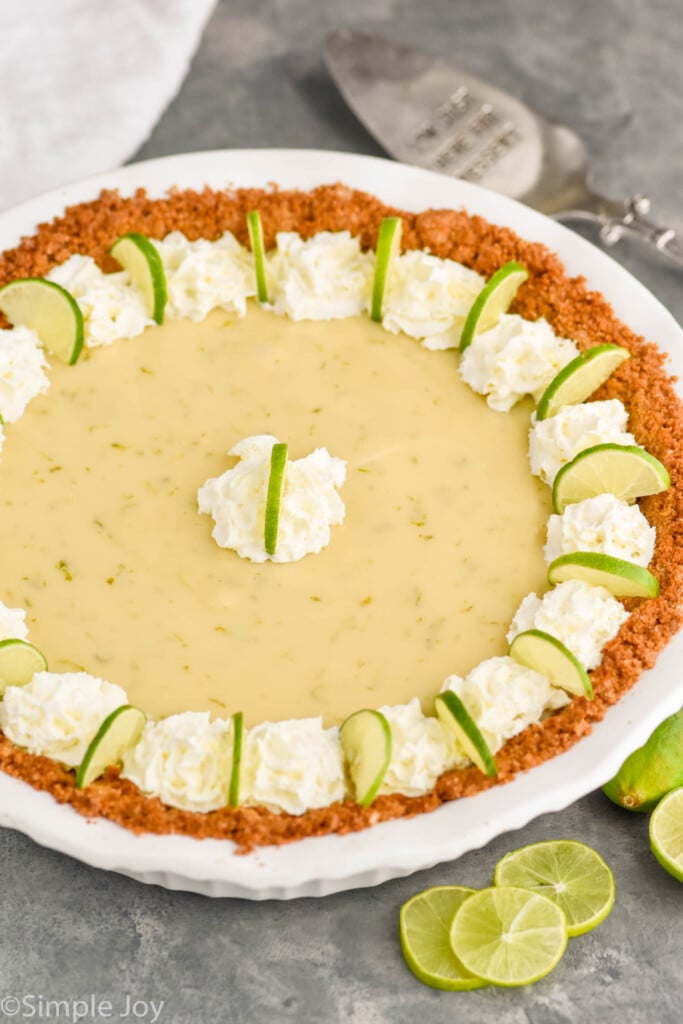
(365, 737)
(546, 654)
(453, 714)
(388, 245)
(19, 662)
(626, 471)
(237, 733)
(120, 731)
(142, 261)
(580, 378)
(621, 578)
(278, 461)
(255, 228)
(570, 874)
(666, 833)
(493, 300)
(50, 311)
(424, 930)
(509, 936)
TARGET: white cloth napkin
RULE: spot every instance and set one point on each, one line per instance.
(83, 82)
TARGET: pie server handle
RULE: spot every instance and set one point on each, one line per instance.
(626, 218)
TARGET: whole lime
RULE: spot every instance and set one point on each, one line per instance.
(650, 772)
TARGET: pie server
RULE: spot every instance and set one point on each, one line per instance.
(427, 112)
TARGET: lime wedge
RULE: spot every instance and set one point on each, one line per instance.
(666, 833)
(546, 654)
(278, 461)
(365, 737)
(626, 471)
(493, 300)
(120, 731)
(388, 245)
(19, 662)
(237, 733)
(570, 874)
(50, 311)
(621, 578)
(509, 936)
(453, 714)
(580, 378)
(424, 928)
(255, 228)
(142, 261)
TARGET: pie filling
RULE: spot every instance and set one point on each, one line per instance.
(102, 544)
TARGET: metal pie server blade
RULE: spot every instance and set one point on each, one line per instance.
(425, 111)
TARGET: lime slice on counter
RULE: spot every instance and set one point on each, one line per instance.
(580, 378)
(570, 874)
(19, 662)
(50, 311)
(237, 734)
(454, 715)
(626, 471)
(546, 654)
(255, 228)
(365, 737)
(142, 261)
(278, 461)
(424, 929)
(509, 936)
(388, 246)
(666, 833)
(493, 300)
(120, 731)
(621, 578)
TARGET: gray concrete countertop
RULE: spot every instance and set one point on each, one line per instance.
(612, 70)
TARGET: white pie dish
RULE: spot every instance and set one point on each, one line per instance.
(318, 866)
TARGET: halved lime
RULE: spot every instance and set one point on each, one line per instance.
(388, 246)
(666, 833)
(569, 873)
(19, 662)
(453, 714)
(493, 300)
(142, 261)
(624, 470)
(365, 737)
(509, 936)
(278, 461)
(546, 654)
(120, 731)
(237, 734)
(50, 311)
(424, 929)
(621, 578)
(255, 228)
(580, 378)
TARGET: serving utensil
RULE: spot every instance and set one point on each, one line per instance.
(425, 111)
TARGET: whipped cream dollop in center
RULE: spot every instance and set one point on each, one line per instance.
(309, 503)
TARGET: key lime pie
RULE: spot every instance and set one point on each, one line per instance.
(301, 530)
